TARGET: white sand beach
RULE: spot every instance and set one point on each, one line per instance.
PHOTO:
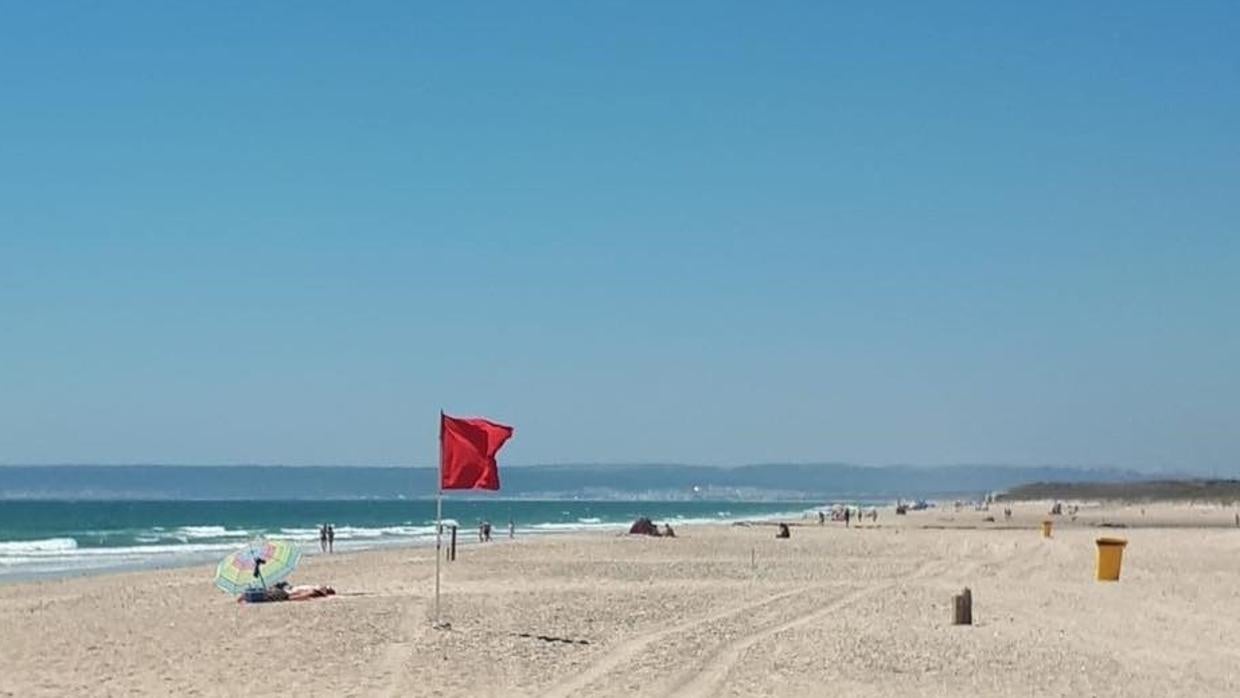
(717, 611)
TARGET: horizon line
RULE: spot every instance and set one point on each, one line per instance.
(624, 464)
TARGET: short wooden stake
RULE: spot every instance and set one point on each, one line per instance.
(963, 607)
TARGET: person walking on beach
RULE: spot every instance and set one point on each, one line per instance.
(331, 538)
(323, 538)
(847, 515)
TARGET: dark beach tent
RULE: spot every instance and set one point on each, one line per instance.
(643, 526)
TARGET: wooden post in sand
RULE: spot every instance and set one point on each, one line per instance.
(963, 608)
(452, 549)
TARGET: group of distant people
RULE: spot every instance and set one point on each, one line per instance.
(327, 538)
(845, 514)
(645, 527)
(484, 531)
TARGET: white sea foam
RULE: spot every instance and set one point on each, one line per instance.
(299, 534)
(348, 533)
(356, 532)
(211, 532)
(569, 527)
(66, 560)
(204, 543)
(47, 545)
(353, 532)
(133, 551)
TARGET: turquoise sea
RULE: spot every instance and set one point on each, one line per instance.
(62, 538)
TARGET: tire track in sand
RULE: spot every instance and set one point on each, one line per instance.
(409, 630)
(706, 682)
(633, 647)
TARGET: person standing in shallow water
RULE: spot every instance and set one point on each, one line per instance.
(331, 539)
(323, 538)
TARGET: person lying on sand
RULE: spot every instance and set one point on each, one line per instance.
(284, 592)
(306, 591)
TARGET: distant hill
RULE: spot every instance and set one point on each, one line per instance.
(774, 481)
(1165, 490)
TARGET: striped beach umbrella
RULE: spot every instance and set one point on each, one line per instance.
(259, 563)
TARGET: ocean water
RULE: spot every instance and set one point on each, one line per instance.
(60, 538)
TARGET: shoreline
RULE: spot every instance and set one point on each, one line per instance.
(200, 558)
(1100, 516)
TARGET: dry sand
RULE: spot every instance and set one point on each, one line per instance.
(829, 612)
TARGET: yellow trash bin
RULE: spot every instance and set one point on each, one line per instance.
(1046, 528)
(1110, 558)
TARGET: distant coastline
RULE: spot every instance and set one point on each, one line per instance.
(651, 482)
(1167, 490)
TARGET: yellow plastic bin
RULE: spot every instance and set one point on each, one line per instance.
(1110, 558)
(1046, 528)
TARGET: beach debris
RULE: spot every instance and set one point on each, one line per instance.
(962, 608)
(551, 638)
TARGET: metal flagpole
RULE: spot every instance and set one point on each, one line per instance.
(439, 523)
(438, 549)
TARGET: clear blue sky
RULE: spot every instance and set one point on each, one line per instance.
(696, 232)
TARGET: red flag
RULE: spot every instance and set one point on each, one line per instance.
(467, 449)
